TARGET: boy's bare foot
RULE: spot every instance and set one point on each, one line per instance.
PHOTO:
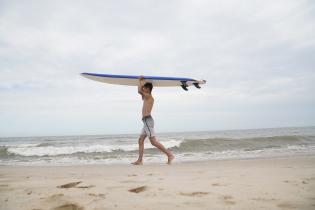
(137, 162)
(170, 159)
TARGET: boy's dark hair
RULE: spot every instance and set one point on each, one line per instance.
(148, 85)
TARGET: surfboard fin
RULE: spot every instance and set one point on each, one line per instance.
(184, 85)
(196, 85)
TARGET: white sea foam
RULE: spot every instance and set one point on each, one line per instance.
(33, 150)
(242, 144)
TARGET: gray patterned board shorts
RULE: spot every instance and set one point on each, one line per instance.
(148, 126)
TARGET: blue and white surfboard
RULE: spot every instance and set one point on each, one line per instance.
(133, 80)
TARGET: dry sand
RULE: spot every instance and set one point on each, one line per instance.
(282, 183)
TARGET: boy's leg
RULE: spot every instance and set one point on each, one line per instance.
(141, 149)
(160, 146)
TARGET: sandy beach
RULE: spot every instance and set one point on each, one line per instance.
(281, 183)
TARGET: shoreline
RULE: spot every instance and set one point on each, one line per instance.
(273, 183)
(159, 163)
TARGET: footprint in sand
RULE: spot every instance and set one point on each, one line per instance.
(294, 182)
(263, 199)
(58, 202)
(68, 206)
(69, 185)
(128, 181)
(286, 205)
(308, 180)
(138, 189)
(194, 194)
(228, 199)
(100, 195)
(74, 184)
(84, 187)
(218, 184)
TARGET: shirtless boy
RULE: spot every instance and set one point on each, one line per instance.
(148, 123)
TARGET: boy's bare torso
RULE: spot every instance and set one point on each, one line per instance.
(148, 102)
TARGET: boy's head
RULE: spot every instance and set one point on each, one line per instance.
(147, 87)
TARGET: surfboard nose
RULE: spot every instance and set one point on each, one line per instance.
(84, 75)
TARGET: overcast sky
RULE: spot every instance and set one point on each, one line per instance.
(258, 58)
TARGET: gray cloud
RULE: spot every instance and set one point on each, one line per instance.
(257, 56)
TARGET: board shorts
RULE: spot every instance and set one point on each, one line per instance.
(148, 126)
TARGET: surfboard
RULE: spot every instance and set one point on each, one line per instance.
(133, 80)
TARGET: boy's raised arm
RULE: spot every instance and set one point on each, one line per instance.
(140, 85)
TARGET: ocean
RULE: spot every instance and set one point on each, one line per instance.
(186, 146)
